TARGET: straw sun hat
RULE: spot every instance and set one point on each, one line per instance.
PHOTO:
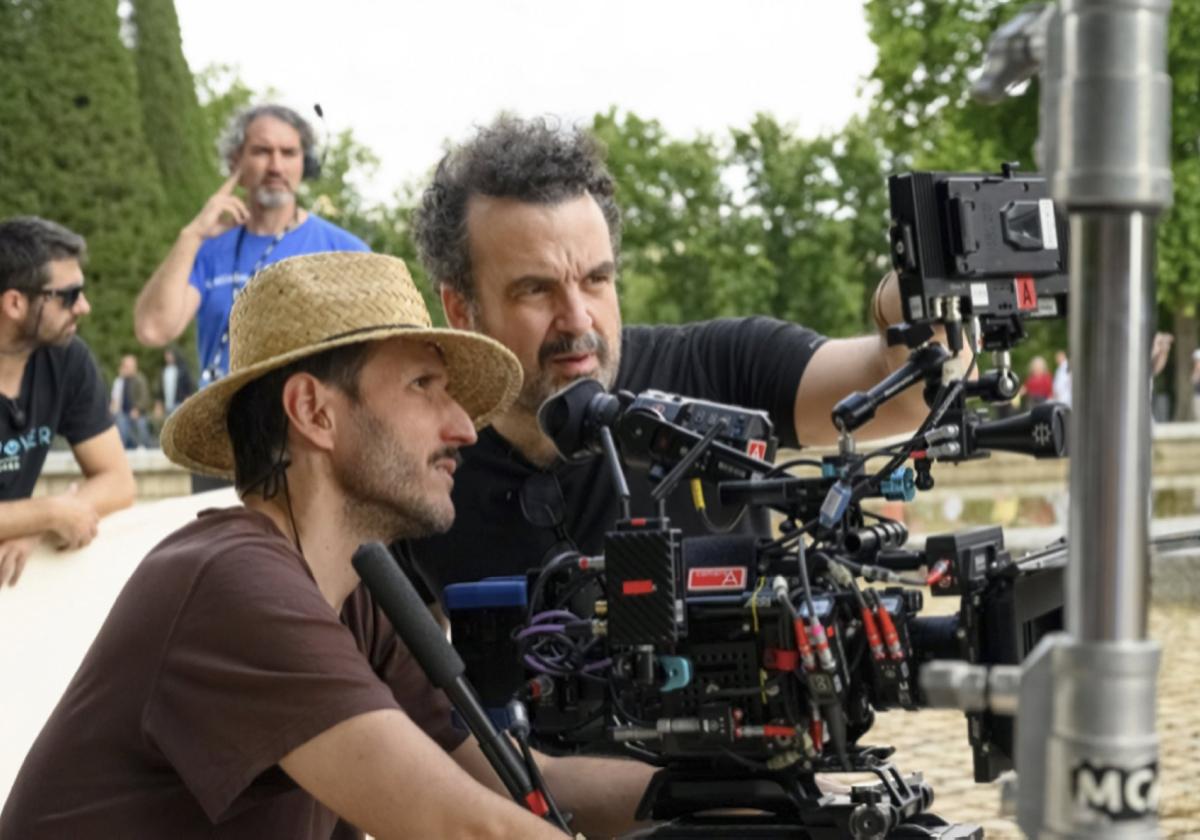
(303, 305)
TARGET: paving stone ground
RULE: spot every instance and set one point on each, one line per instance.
(935, 742)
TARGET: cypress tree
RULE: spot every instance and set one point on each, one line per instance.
(175, 126)
(72, 149)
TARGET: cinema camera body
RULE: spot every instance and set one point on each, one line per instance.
(744, 665)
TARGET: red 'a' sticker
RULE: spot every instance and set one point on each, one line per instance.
(1026, 291)
(716, 578)
(757, 449)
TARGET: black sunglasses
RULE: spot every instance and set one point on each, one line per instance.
(68, 295)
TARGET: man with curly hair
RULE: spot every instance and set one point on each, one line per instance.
(520, 232)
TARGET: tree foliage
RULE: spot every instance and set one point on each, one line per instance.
(929, 52)
(73, 150)
(758, 222)
(176, 128)
(820, 216)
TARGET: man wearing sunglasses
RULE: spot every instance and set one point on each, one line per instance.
(50, 385)
(520, 232)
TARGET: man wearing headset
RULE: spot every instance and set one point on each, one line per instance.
(269, 149)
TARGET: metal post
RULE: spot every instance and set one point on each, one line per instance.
(1087, 750)
(1112, 314)
(1109, 159)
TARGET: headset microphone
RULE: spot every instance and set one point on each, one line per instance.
(312, 164)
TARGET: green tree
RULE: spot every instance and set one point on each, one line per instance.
(1179, 230)
(176, 128)
(73, 150)
(928, 54)
(680, 252)
(765, 223)
(820, 212)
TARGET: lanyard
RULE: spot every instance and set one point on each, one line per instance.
(212, 371)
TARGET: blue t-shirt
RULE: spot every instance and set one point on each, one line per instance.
(218, 279)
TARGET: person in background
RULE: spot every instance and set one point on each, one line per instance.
(1062, 379)
(176, 380)
(269, 150)
(131, 404)
(1196, 384)
(1039, 384)
(50, 385)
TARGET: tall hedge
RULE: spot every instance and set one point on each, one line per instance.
(175, 125)
(72, 149)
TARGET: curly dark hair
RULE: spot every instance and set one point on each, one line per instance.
(529, 160)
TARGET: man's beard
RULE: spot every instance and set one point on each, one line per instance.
(384, 485)
(35, 336)
(271, 197)
(540, 386)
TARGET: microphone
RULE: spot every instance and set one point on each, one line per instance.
(573, 416)
(320, 112)
(1041, 432)
(416, 627)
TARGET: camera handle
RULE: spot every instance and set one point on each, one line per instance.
(923, 363)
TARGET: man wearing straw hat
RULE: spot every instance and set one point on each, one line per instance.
(244, 683)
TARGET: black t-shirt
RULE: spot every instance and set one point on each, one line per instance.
(62, 393)
(751, 362)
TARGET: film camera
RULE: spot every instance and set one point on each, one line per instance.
(745, 666)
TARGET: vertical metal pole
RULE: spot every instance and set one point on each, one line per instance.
(1109, 156)
(1112, 312)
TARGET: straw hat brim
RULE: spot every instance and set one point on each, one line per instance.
(483, 377)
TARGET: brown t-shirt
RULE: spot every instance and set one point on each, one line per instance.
(219, 657)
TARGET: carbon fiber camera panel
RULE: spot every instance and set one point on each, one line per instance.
(642, 570)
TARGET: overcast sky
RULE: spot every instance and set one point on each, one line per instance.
(408, 76)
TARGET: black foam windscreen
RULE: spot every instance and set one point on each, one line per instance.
(415, 625)
(720, 550)
(563, 417)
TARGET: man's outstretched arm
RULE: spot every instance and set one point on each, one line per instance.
(108, 483)
(601, 793)
(842, 366)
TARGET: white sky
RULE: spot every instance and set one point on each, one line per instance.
(408, 76)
